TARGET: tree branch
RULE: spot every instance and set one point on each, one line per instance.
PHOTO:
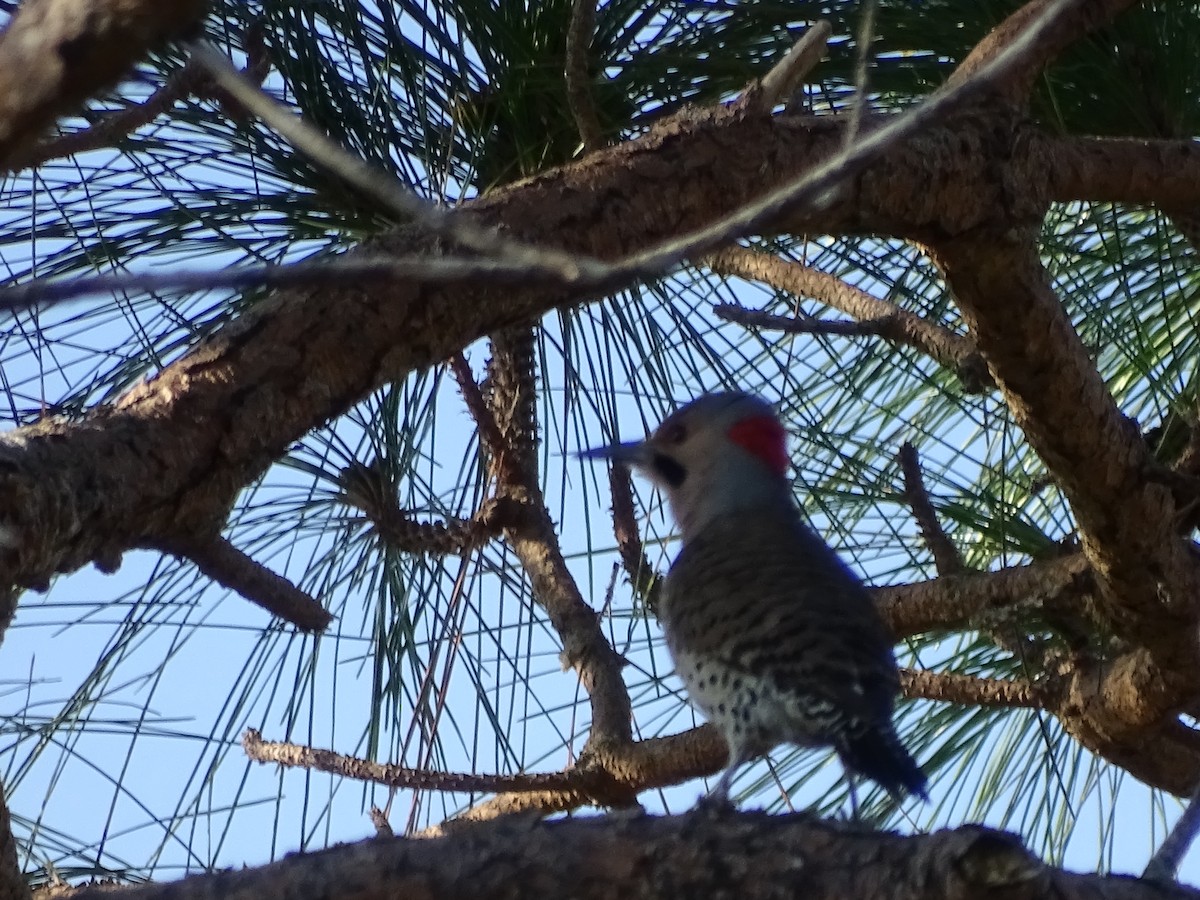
(1053, 34)
(945, 555)
(579, 92)
(1148, 581)
(230, 567)
(55, 54)
(953, 351)
(964, 601)
(13, 885)
(748, 855)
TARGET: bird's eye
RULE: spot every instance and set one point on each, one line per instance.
(672, 433)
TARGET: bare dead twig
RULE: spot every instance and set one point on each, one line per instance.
(778, 84)
(862, 56)
(755, 318)
(388, 190)
(389, 775)
(954, 351)
(945, 555)
(579, 93)
(225, 564)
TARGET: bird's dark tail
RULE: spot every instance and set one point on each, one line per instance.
(880, 756)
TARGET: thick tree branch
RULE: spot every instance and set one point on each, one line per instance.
(1123, 170)
(1056, 34)
(1148, 580)
(57, 53)
(954, 351)
(749, 855)
(972, 600)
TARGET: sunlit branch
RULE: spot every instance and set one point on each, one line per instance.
(969, 690)
(785, 76)
(390, 775)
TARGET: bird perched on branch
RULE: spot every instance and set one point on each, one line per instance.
(775, 639)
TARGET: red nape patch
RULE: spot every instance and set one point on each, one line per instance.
(765, 438)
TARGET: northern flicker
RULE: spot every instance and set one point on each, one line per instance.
(775, 639)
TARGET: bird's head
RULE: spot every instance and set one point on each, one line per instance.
(718, 454)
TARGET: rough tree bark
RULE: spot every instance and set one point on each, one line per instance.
(162, 466)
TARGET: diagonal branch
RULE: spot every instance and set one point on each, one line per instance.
(945, 555)
(1053, 34)
(230, 567)
(1147, 578)
(954, 351)
(54, 54)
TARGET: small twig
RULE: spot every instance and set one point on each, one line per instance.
(389, 775)
(945, 555)
(579, 94)
(866, 34)
(490, 438)
(230, 567)
(952, 350)
(629, 542)
(755, 318)
(778, 84)
(1165, 862)
(379, 819)
(970, 690)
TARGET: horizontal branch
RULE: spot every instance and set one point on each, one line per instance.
(957, 602)
(969, 690)
(299, 756)
(747, 855)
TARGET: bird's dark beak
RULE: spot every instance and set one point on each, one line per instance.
(635, 454)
